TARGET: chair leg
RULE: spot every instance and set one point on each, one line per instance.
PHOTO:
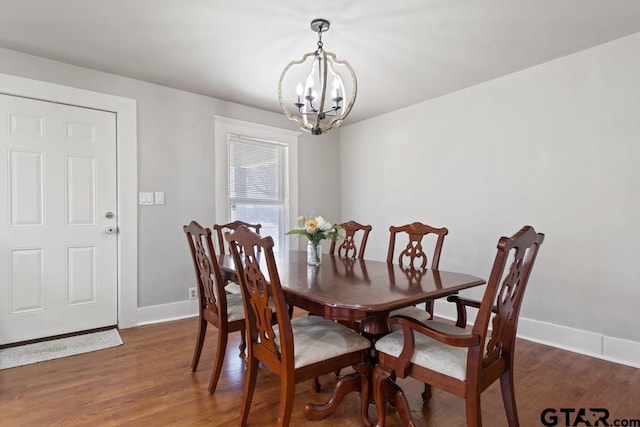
(428, 306)
(509, 398)
(202, 332)
(426, 394)
(380, 378)
(287, 394)
(243, 342)
(250, 377)
(217, 364)
(316, 386)
(474, 412)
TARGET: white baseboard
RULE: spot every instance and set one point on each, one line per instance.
(592, 344)
(625, 352)
(167, 312)
(622, 351)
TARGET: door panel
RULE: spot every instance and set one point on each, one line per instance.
(26, 188)
(58, 267)
(26, 281)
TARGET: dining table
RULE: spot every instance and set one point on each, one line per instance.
(355, 291)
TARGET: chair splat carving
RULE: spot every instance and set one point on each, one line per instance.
(348, 247)
(413, 258)
(413, 251)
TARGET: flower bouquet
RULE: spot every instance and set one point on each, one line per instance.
(315, 229)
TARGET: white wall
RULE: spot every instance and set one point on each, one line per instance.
(175, 155)
(556, 146)
(320, 181)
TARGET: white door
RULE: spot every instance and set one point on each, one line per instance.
(58, 246)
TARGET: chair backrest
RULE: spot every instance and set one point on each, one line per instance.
(221, 229)
(503, 298)
(413, 252)
(211, 294)
(348, 247)
(248, 248)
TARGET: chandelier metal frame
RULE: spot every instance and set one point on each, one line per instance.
(316, 111)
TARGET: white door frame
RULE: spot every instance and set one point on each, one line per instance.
(127, 174)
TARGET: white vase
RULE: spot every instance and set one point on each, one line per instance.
(314, 253)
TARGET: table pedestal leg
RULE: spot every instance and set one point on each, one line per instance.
(372, 328)
(358, 381)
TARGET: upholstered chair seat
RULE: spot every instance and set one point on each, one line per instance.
(318, 339)
(420, 314)
(429, 353)
(235, 309)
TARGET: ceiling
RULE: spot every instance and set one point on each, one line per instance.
(403, 52)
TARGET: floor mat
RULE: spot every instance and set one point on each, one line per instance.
(54, 349)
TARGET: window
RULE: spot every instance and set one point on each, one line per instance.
(256, 176)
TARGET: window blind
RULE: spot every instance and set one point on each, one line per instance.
(255, 170)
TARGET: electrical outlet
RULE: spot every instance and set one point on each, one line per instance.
(193, 293)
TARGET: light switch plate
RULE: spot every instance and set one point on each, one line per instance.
(159, 197)
(145, 198)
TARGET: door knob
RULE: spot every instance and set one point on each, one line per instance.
(109, 229)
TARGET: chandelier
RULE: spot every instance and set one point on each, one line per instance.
(313, 91)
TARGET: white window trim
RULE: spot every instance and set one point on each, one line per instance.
(225, 126)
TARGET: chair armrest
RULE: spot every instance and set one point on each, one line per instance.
(464, 301)
(461, 308)
(409, 325)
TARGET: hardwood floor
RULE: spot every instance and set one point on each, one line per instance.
(147, 381)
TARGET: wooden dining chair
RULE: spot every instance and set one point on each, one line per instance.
(460, 361)
(296, 349)
(224, 311)
(414, 257)
(220, 229)
(349, 246)
(349, 249)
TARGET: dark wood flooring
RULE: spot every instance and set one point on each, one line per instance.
(147, 382)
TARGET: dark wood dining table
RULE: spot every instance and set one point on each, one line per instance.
(356, 290)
